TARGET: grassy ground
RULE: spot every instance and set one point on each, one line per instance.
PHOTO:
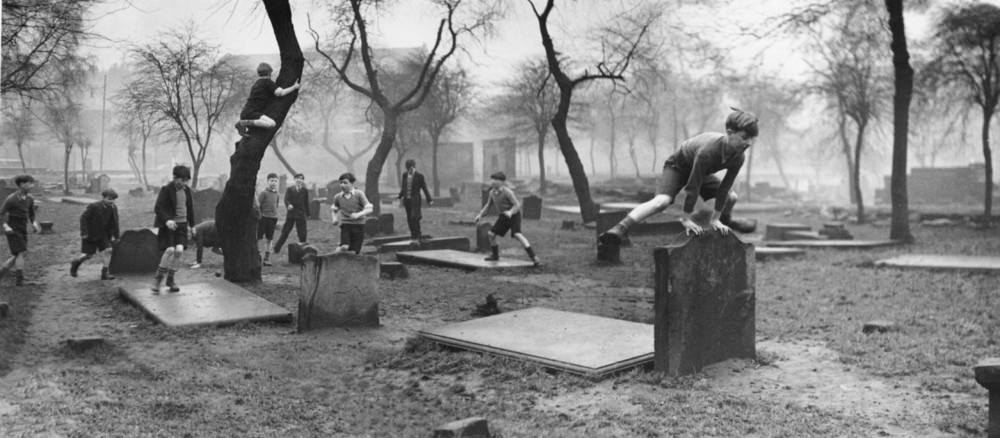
(817, 375)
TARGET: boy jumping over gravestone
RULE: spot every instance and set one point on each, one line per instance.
(296, 212)
(268, 204)
(691, 169)
(261, 94)
(98, 231)
(174, 216)
(16, 212)
(510, 217)
(350, 207)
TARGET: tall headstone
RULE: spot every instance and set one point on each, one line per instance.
(386, 224)
(204, 204)
(137, 252)
(339, 290)
(483, 236)
(705, 302)
(531, 207)
(607, 220)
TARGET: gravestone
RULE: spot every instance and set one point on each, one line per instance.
(473, 427)
(987, 373)
(704, 303)
(371, 226)
(803, 235)
(137, 252)
(323, 192)
(137, 192)
(379, 241)
(483, 237)
(606, 220)
(531, 207)
(443, 203)
(392, 270)
(99, 184)
(339, 290)
(835, 230)
(611, 254)
(386, 224)
(298, 251)
(46, 227)
(204, 204)
(777, 231)
(455, 194)
(315, 206)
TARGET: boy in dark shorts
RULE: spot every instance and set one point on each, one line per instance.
(16, 213)
(98, 231)
(261, 94)
(691, 169)
(509, 220)
(174, 215)
(267, 201)
(349, 209)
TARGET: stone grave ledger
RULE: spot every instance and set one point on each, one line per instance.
(339, 290)
(704, 304)
(137, 252)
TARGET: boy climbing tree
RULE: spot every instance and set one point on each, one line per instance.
(261, 94)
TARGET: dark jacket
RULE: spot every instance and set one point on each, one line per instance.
(166, 205)
(99, 222)
(299, 200)
(418, 185)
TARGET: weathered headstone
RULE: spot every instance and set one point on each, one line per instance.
(474, 427)
(204, 204)
(84, 343)
(568, 225)
(339, 290)
(315, 206)
(392, 270)
(282, 184)
(531, 207)
(379, 241)
(777, 231)
(705, 302)
(137, 252)
(483, 237)
(298, 251)
(803, 235)
(386, 224)
(99, 184)
(987, 373)
(4, 309)
(443, 203)
(836, 230)
(371, 226)
(46, 227)
(455, 194)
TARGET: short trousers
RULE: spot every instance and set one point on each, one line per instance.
(170, 238)
(673, 180)
(504, 224)
(17, 242)
(352, 236)
(91, 247)
(266, 227)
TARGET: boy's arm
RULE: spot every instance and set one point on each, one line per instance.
(282, 92)
(31, 209)
(115, 232)
(486, 206)
(367, 207)
(335, 210)
(161, 199)
(402, 186)
(427, 193)
(306, 207)
(4, 207)
(513, 199)
(727, 183)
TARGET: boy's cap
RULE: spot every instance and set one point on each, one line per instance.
(182, 172)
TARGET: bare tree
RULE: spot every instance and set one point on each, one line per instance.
(448, 99)
(140, 123)
(322, 105)
(38, 37)
(940, 114)
(621, 44)
(61, 114)
(190, 86)
(236, 225)
(969, 45)
(353, 17)
(19, 125)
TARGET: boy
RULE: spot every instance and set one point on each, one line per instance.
(268, 204)
(174, 214)
(98, 231)
(412, 183)
(205, 236)
(349, 209)
(509, 220)
(261, 94)
(297, 210)
(691, 168)
(16, 212)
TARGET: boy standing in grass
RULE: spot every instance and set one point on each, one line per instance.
(691, 168)
(174, 215)
(268, 204)
(509, 220)
(350, 207)
(98, 231)
(16, 212)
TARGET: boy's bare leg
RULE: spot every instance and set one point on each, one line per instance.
(494, 248)
(527, 247)
(740, 225)
(6, 266)
(161, 271)
(174, 264)
(656, 205)
(102, 258)
(19, 269)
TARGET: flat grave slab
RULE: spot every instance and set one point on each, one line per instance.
(211, 302)
(458, 243)
(935, 261)
(619, 205)
(832, 243)
(774, 252)
(450, 258)
(78, 200)
(573, 209)
(379, 241)
(581, 344)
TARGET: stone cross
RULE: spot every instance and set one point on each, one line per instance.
(988, 374)
(704, 303)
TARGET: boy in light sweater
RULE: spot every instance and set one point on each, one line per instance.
(350, 207)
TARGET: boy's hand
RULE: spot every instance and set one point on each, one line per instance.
(478, 217)
(691, 227)
(723, 228)
(36, 227)
(172, 225)
(508, 214)
(355, 215)
(7, 229)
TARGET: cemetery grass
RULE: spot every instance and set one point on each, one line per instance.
(267, 380)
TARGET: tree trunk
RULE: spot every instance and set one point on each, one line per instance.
(988, 168)
(541, 161)
(900, 228)
(612, 164)
(581, 186)
(593, 164)
(435, 138)
(145, 176)
(856, 176)
(633, 156)
(20, 154)
(68, 150)
(391, 124)
(846, 149)
(236, 225)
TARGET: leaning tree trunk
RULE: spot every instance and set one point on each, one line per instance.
(541, 161)
(281, 158)
(374, 170)
(900, 228)
(69, 150)
(236, 225)
(988, 159)
(856, 175)
(576, 171)
(20, 155)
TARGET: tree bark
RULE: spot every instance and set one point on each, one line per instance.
(68, 150)
(20, 155)
(541, 161)
(900, 227)
(988, 168)
(856, 174)
(236, 225)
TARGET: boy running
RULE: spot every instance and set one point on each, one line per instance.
(16, 212)
(509, 220)
(268, 204)
(98, 231)
(691, 169)
(174, 215)
(261, 93)
(349, 209)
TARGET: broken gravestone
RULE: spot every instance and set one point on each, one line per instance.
(136, 252)
(705, 302)
(338, 290)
